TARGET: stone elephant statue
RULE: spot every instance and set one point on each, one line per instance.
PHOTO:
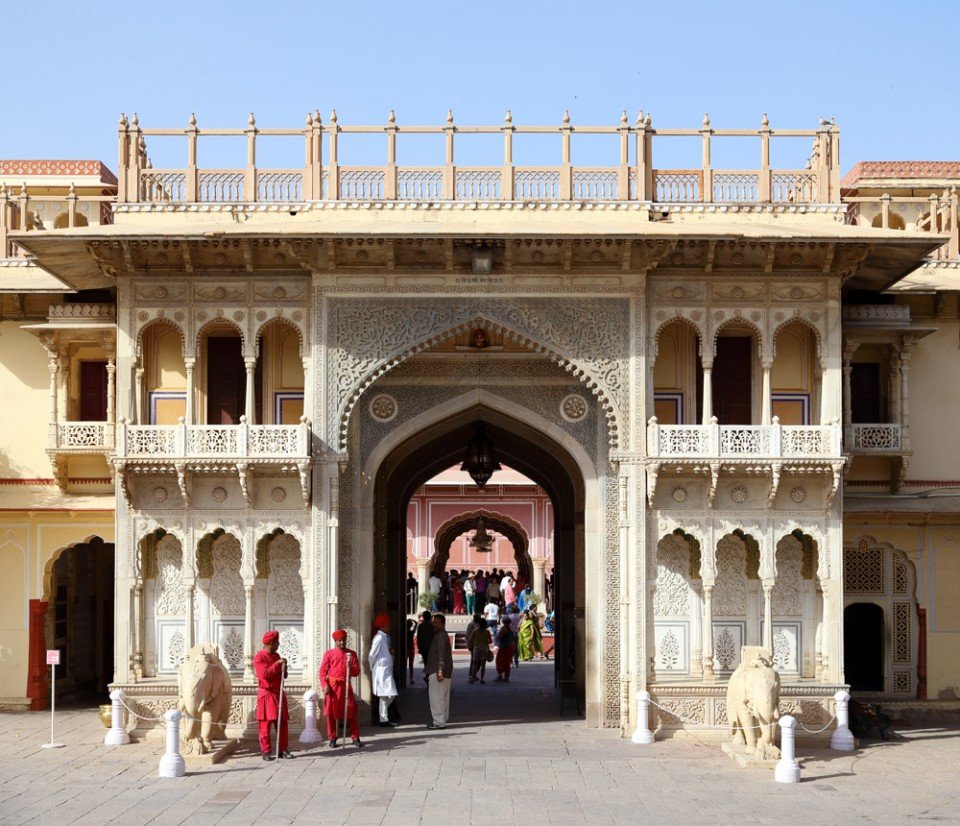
(753, 703)
(205, 692)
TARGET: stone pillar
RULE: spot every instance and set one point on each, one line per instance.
(707, 655)
(766, 403)
(905, 353)
(138, 398)
(895, 389)
(768, 615)
(189, 405)
(52, 366)
(707, 390)
(136, 660)
(539, 578)
(111, 391)
(190, 592)
(696, 634)
(250, 396)
(423, 575)
(63, 398)
(248, 641)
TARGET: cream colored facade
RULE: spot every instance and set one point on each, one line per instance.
(669, 354)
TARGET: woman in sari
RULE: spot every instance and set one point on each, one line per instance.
(506, 645)
(529, 637)
(459, 599)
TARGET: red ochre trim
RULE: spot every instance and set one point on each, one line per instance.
(48, 167)
(37, 685)
(15, 481)
(909, 483)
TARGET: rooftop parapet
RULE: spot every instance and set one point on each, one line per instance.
(631, 176)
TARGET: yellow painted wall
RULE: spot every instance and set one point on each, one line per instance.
(29, 543)
(934, 402)
(23, 425)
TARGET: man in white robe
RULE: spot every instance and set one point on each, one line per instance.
(381, 668)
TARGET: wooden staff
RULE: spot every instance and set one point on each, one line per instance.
(283, 674)
(346, 694)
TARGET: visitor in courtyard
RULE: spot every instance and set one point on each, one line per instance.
(549, 622)
(411, 645)
(480, 653)
(470, 592)
(439, 668)
(513, 617)
(425, 634)
(491, 613)
(436, 588)
(381, 668)
(459, 596)
(506, 647)
(529, 638)
(523, 600)
(413, 591)
(338, 666)
(509, 591)
(481, 589)
(272, 704)
(493, 590)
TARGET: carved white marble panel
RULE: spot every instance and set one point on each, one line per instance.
(787, 642)
(727, 639)
(229, 637)
(291, 643)
(284, 587)
(171, 646)
(672, 641)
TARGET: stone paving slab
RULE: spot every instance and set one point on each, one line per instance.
(506, 758)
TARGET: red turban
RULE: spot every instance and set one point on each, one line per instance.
(270, 637)
(339, 634)
(382, 621)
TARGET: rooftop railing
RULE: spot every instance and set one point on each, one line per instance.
(936, 214)
(631, 177)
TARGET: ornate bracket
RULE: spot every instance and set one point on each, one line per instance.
(653, 474)
(303, 469)
(122, 486)
(245, 478)
(775, 469)
(837, 468)
(714, 479)
(183, 482)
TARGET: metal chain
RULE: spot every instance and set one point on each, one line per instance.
(683, 719)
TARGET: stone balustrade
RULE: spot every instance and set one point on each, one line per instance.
(715, 441)
(874, 315)
(81, 437)
(874, 438)
(937, 214)
(240, 441)
(631, 177)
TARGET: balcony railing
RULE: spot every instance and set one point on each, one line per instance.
(23, 210)
(631, 176)
(773, 441)
(874, 438)
(241, 441)
(936, 214)
(81, 437)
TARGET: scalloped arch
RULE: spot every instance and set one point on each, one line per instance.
(48, 565)
(737, 319)
(280, 320)
(796, 318)
(500, 522)
(611, 413)
(161, 321)
(678, 318)
(221, 320)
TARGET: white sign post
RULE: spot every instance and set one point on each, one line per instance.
(53, 660)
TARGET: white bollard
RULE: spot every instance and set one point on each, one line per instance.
(310, 733)
(842, 737)
(643, 736)
(117, 735)
(171, 764)
(788, 769)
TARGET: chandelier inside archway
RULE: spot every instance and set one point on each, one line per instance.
(481, 540)
(480, 460)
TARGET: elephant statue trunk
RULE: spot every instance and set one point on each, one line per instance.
(753, 703)
(205, 692)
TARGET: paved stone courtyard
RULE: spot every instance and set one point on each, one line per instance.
(506, 758)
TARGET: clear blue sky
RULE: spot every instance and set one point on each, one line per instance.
(885, 70)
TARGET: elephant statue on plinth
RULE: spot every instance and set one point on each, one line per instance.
(753, 703)
(205, 692)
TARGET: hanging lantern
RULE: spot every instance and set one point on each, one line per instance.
(480, 460)
(481, 541)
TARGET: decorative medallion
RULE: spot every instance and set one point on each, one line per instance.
(537, 257)
(420, 257)
(160, 494)
(796, 292)
(296, 315)
(220, 293)
(596, 256)
(383, 407)
(279, 258)
(143, 315)
(677, 258)
(261, 315)
(737, 292)
(678, 292)
(362, 256)
(220, 259)
(218, 495)
(238, 315)
(179, 315)
(737, 258)
(279, 293)
(574, 407)
(679, 494)
(755, 315)
(798, 494)
(161, 258)
(278, 494)
(201, 315)
(738, 494)
(796, 258)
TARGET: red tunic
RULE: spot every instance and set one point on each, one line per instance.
(269, 669)
(333, 673)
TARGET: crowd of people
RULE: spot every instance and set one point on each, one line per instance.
(466, 592)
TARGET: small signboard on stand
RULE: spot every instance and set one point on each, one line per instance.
(53, 660)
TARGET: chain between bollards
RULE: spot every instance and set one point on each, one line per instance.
(787, 769)
(842, 737)
(117, 735)
(172, 763)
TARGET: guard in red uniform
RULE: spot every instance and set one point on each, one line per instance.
(272, 705)
(337, 666)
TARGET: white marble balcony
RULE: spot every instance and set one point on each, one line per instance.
(81, 437)
(258, 442)
(715, 441)
(874, 438)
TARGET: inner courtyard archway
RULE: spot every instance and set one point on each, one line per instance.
(438, 446)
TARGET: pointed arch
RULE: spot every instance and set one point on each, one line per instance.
(599, 385)
(738, 320)
(160, 321)
(797, 318)
(221, 321)
(278, 320)
(677, 318)
(506, 525)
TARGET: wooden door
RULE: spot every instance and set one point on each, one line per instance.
(865, 393)
(93, 391)
(731, 382)
(226, 380)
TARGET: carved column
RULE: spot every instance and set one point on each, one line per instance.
(248, 633)
(63, 398)
(53, 366)
(895, 388)
(768, 615)
(707, 390)
(766, 409)
(849, 348)
(249, 398)
(423, 575)
(707, 655)
(138, 399)
(189, 589)
(136, 660)
(905, 352)
(189, 363)
(539, 578)
(696, 632)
